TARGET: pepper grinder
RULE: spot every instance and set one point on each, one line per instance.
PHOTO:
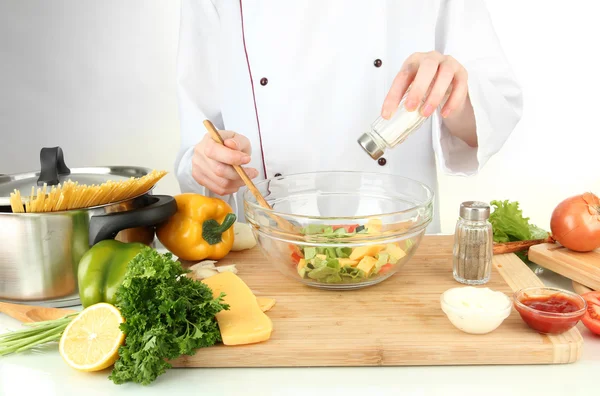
(473, 244)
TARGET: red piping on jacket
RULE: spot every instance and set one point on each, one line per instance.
(262, 153)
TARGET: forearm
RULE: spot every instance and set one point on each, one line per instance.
(461, 123)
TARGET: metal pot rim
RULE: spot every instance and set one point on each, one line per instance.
(79, 209)
(96, 170)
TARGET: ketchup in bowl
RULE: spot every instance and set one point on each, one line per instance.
(549, 310)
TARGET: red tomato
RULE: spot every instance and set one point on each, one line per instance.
(352, 228)
(575, 223)
(296, 253)
(385, 268)
(296, 258)
(349, 228)
(591, 320)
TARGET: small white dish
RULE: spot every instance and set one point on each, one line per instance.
(475, 310)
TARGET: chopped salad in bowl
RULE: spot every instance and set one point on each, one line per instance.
(348, 264)
(344, 235)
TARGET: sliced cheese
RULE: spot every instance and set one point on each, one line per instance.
(244, 322)
(367, 264)
(362, 251)
(265, 303)
(301, 268)
(395, 252)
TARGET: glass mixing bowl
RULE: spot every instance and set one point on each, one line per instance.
(339, 230)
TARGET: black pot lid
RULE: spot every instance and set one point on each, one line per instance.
(53, 171)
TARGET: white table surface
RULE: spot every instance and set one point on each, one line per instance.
(43, 372)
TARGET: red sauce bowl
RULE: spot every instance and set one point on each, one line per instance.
(549, 310)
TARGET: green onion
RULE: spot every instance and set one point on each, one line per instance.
(38, 333)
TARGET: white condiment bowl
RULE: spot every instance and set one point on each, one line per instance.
(467, 308)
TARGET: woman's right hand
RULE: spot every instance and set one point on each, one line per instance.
(211, 163)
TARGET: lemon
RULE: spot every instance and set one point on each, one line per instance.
(91, 341)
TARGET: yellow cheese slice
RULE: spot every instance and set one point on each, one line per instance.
(244, 322)
(265, 303)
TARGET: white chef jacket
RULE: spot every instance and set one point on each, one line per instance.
(303, 79)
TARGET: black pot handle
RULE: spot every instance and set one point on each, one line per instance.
(107, 226)
(52, 165)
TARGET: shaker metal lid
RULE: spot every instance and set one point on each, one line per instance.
(474, 210)
(369, 145)
(87, 175)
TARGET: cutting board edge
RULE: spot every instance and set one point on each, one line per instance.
(540, 354)
(537, 256)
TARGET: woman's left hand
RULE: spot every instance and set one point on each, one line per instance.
(421, 69)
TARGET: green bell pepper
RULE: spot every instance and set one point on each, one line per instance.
(102, 270)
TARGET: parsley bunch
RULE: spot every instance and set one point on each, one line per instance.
(166, 315)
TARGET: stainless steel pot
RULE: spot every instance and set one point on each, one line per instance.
(40, 252)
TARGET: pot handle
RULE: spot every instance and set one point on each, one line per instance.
(107, 226)
(52, 165)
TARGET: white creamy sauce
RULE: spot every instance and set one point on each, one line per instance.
(473, 298)
(475, 310)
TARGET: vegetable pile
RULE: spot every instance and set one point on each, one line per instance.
(163, 310)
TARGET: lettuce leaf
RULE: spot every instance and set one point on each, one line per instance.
(509, 224)
(537, 232)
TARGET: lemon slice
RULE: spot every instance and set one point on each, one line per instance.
(91, 341)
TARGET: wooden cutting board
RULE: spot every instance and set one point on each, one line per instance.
(398, 322)
(583, 268)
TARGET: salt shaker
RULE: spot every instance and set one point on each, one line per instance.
(473, 244)
(385, 134)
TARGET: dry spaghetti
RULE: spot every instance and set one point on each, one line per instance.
(72, 195)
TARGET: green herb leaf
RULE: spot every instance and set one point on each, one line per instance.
(509, 224)
(166, 315)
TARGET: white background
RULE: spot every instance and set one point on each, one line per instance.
(98, 79)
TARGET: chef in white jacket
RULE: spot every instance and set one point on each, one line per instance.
(291, 85)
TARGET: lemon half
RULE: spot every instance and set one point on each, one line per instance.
(91, 341)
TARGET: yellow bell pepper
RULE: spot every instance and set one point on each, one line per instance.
(202, 228)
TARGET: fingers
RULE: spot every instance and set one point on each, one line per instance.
(399, 86)
(227, 172)
(458, 96)
(443, 79)
(235, 141)
(427, 70)
(219, 178)
(428, 77)
(220, 153)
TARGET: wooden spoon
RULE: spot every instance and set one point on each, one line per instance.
(32, 313)
(259, 198)
(217, 138)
